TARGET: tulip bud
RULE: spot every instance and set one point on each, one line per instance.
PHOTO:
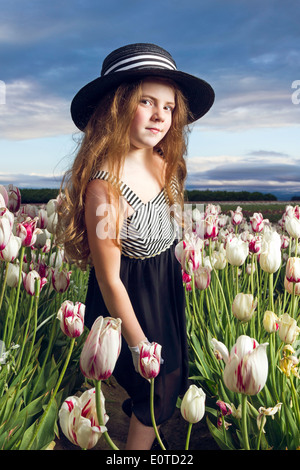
(78, 419)
(292, 287)
(210, 226)
(60, 279)
(189, 253)
(243, 306)
(13, 271)
(101, 349)
(270, 256)
(30, 279)
(71, 318)
(257, 222)
(202, 277)
(220, 260)
(14, 198)
(236, 251)
(270, 322)
(293, 270)
(11, 251)
(292, 226)
(5, 231)
(255, 244)
(236, 216)
(3, 196)
(150, 358)
(193, 404)
(246, 370)
(288, 329)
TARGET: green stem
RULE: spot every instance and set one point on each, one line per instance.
(51, 340)
(54, 393)
(99, 414)
(152, 414)
(271, 298)
(17, 297)
(187, 442)
(29, 353)
(244, 422)
(260, 432)
(25, 333)
(4, 283)
(224, 300)
(295, 398)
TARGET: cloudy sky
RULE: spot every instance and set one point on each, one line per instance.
(249, 50)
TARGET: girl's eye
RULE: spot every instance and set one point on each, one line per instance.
(146, 102)
(169, 108)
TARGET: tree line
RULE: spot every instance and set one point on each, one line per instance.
(43, 195)
(208, 195)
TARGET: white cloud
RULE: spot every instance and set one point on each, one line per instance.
(30, 113)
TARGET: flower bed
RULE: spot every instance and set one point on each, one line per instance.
(242, 283)
(242, 280)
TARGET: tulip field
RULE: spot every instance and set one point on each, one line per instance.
(241, 276)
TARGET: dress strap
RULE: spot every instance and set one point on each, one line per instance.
(133, 200)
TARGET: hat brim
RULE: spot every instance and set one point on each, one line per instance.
(199, 94)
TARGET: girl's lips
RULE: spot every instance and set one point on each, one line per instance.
(154, 130)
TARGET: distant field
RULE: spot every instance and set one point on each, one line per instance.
(271, 210)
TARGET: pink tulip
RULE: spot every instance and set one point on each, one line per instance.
(71, 318)
(210, 226)
(236, 216)
(29, 281)
(189, 253)
(61, 279)
(255, 244)
(78, 419)
(101, 349)
(150, 357)
(257, 222)
(27, 231)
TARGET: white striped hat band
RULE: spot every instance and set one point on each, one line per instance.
(140, 61)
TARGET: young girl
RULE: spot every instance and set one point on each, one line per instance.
(134, 119)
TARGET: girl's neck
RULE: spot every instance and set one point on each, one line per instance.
(140, 156)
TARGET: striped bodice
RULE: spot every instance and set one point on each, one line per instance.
(150, 229)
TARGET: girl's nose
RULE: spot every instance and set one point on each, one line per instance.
(158, 115)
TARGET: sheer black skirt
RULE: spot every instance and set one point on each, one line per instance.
(155, 288)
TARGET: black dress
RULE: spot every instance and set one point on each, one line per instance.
(153, 279)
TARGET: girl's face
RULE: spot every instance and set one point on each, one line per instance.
(153, 117)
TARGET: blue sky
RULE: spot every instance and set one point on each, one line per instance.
(248, 50)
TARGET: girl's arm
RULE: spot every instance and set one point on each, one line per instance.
(106, 260)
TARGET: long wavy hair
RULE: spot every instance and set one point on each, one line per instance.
(106, 140)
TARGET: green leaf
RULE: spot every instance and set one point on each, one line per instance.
(46, 432)
(224, 442)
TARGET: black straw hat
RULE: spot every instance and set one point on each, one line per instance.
(133, 62)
